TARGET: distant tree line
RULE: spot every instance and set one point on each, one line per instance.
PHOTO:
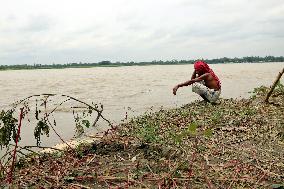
(248, 59)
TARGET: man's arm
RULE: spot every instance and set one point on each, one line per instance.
(189, 82)
(193, 75)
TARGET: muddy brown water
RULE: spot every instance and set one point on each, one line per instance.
(134, 89)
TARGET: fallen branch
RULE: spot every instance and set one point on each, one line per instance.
(81, 186)
(274, 85)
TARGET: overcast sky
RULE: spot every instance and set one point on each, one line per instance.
(62, 31)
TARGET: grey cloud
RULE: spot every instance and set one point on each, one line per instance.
(33, 23)
(136, 26)
(146, 30)
(38, 23)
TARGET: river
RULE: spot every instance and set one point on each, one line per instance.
(133, 89)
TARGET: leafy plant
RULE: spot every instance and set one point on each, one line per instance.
(40, 129)
(259, 91)
(279, 89)
(148, 132)
(45, 121)
(216, 116)
(262, 90)
(8, 127)
(81, 122)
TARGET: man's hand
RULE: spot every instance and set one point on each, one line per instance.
(175, 90)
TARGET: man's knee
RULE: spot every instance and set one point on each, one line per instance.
(197, 88)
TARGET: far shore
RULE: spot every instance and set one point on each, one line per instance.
(122, 64)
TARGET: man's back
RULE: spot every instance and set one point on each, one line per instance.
(211, 82)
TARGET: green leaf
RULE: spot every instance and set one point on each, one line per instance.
(192, 128)
(41, 128)
(208, 132)
(277, 186)
(178, 139)
(86, 123)
(69, 179)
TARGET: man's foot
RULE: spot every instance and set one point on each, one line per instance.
(204, 98)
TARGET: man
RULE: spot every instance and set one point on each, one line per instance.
(206, 83)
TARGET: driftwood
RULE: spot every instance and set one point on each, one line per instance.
(274, 85)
